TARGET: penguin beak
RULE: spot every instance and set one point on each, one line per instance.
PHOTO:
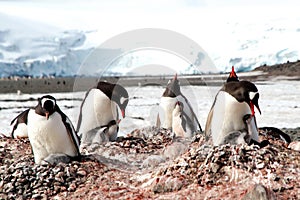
(175, 77)
(254, 102)
(232, 73)
(123, 113)
(47, 115)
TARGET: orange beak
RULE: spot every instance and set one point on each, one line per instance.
(232, 73)
(123, 113)
(47, 115)
(252, 104)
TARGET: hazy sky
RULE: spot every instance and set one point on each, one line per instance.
(207, 22)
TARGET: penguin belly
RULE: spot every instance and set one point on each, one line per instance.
(21, 131)
(98, 110)
(227, 117)
(49, 136)
(167, 104)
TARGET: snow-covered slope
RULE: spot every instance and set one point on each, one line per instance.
(30, 48)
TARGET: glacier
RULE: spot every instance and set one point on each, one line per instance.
(32, 49)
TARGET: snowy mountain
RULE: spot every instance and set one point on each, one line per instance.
(30, 48)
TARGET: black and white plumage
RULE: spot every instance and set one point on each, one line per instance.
(50, 131)
(19, 125)
(100, 107)
(170, 97)
(245, 135)
(232, 103)
(181, 124)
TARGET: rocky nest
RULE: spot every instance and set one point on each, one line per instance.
(151, 163)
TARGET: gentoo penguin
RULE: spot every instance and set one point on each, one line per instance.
(19, 125)
(50, 131)
(244, 135)
(232, 76)
(170, 97)
(232, 103)
(100, 107)
(181, 124)
(275, 133)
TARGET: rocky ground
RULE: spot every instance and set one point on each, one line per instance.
(284, 69)
(151, 163)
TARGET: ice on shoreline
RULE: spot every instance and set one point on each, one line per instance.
(279, 103)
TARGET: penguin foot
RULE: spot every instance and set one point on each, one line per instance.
(54, 159)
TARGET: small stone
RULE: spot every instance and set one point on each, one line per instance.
(72, 187)
(260, 165)
(81, 172)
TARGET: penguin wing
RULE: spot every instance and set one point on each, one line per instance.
(21, 118)
(158, 122)
(70, 130)
(187, 124)
(207, 131)
(80, 111)
(193, 117)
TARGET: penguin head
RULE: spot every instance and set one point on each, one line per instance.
(116, 93)
(244, 91)
(120, 96)
(173, 88)
(46, 106)
(232, 76)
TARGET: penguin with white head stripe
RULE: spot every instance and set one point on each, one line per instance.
(100, 108)
(235, 100)
(50, 132)
(170, 97)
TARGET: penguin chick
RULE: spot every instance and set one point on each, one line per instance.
(181, 124)
(100, 106)
(170, 97)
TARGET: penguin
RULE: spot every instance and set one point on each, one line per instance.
(275, 133)
(170, 97)
(244, 135)
(232, 76)
(99, 134)
(231, 104)
(50, 131)
(181, 124)
(19, 125)
(99, 107)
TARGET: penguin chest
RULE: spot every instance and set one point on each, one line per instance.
(227, 116)
(97, 110)
(177, 123)
(167, 104)
(104, 108)
(48, 136)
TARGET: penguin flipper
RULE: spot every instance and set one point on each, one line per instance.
(207, 131)
(70, 130)
(193, 113)
(158, 122)
(21, 118)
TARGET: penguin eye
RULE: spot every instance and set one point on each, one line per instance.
(252, 95)
(123, 99)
